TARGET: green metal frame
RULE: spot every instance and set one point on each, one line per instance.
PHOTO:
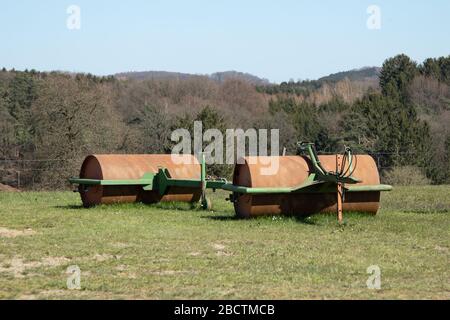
(314, 187)
(135, 182)
(321, 173)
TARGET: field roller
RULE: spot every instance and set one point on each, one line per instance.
(301, 185)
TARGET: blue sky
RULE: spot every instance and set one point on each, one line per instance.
(278, 40)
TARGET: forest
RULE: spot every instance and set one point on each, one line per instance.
(49, 121)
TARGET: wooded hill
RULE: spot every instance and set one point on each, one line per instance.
(50, 121)
(217, 76)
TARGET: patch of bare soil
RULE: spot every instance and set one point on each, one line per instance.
(218, 246)
(17, 266)
(6, 188)
(171, 272)
(104, 256)
(124, 272)
(68, 294)
(221, 250)
(442, 249)
(12, 233)
(121, 245)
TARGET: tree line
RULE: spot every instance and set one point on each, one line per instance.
(50, 121)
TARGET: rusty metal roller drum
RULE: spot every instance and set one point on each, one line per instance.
(121, 167)
(293, 171)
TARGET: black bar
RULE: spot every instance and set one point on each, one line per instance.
(220, 309)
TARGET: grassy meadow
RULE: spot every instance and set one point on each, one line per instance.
(174, 251)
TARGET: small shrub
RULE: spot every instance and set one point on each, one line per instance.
(405, 176)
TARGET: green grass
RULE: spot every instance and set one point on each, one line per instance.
(171, 251)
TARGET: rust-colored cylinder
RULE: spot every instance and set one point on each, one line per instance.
(293, 171)
(124, 167)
